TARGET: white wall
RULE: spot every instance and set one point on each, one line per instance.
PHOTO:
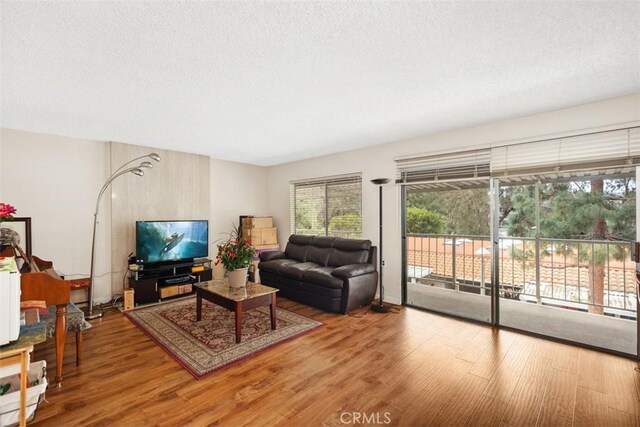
(236, 189)
(55, 181)
(378, 162)
(1, 166)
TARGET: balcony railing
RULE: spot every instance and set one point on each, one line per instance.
(556, 272)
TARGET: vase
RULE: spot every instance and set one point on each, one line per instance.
(238, 277)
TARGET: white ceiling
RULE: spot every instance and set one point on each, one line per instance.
(267, 83)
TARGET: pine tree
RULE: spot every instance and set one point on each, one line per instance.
(595, 210)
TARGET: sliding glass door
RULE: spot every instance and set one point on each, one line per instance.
(558, 256)
(448, 250)
(565, 264)
(537, 236)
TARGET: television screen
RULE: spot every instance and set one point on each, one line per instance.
(162, 241)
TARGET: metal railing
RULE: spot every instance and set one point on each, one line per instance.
(558, 272)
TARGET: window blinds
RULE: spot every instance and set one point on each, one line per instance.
(327, 206)
(601, 150)
(608, 152)
(465, 169)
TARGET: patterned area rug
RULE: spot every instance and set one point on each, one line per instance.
(210, 344)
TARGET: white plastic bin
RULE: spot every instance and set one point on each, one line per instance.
(10, 403)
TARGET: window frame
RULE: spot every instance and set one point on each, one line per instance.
(327, 183)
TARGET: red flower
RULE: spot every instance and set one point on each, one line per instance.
(6, 211)
(235, 253)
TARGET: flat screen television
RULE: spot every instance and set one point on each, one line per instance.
(170, 241)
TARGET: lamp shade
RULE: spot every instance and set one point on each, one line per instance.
(380, 181)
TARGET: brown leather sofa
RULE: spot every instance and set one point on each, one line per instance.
(330, 273)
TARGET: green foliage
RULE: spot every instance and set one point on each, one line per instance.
(346, 225)
(521, 220)
(334, 209)
(421, 220)
(303, 220)
(465, 212)
(597, 209)
(235, 253)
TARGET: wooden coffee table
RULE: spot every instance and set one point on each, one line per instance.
(238, 300)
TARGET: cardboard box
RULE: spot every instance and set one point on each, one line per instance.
(261, 236)
(185, 289)
(128, 298)
(257, 222)
(169, 291)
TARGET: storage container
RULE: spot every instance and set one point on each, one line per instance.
(10, 403)
(257, 222)
(261, 236)
(169, 291)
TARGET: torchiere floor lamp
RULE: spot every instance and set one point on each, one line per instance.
(379, 306)
(137, 170)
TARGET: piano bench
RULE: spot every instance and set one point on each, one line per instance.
(75, 322)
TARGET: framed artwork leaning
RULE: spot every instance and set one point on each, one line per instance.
(16, 231)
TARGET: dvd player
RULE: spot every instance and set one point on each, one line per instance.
(175, 280)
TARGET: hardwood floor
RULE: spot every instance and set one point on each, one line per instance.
(410, 368)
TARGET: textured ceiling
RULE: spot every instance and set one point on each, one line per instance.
(267, 83)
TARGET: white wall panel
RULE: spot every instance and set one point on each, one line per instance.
(176, 188)
(236, 189)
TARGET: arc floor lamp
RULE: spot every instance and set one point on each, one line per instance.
(379, 306)
(122, 170)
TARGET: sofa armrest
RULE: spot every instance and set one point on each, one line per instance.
(271, 255)
(353, 270)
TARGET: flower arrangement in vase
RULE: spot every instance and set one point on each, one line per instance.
(236, 255)
(6, 212)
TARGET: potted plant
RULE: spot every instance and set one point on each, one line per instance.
(236, 255)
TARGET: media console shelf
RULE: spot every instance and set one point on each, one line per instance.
(154, 283)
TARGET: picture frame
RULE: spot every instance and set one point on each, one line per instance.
(22, 226)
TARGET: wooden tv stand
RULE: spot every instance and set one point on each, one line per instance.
(155, 283)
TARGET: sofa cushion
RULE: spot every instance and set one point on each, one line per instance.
(351, 244)
(353, 270)
(295, 271)
(323, 241)
(321, 276)
(300, 239)
(296, 251)
(339, 257)
(274, 266)
(271, 255)
(279, 281)
(318, 255)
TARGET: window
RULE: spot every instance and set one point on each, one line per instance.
(327, 206)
